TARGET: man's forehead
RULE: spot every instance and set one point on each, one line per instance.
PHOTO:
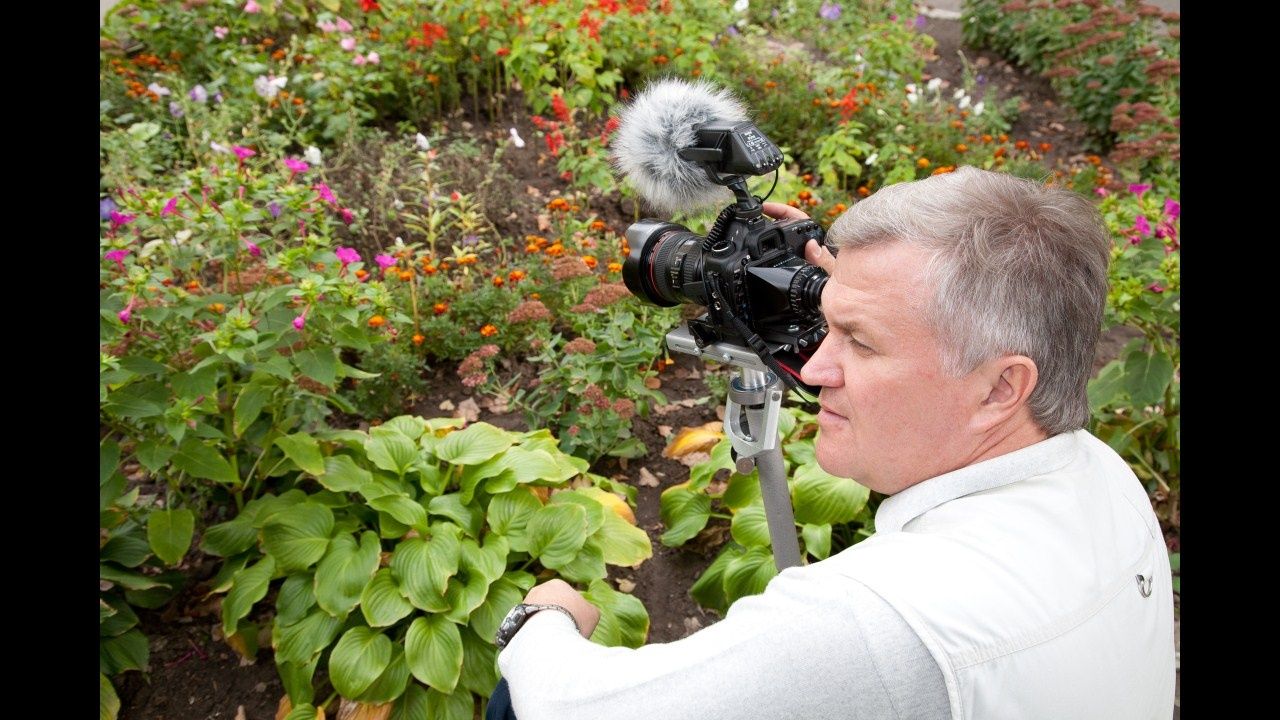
(889, 273)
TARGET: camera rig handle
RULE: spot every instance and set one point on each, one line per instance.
(751, 422)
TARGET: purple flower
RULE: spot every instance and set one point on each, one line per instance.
(116, 256)
(125, 314)
(920, 22)
(384, 261)
(344, 26)
(217, 97)
(1141, 225)
(198, 94)
(731, 31)
(175, 109)
(242, 152)
(299, 321)
(1138, 189)
(347, 216)
(106, 206)
(830, 11)
(325, 193)
(1172, 209)
(220, 32)
(347, 255)
(470, 240)
(274, 209)
(171, 207)
(254, 250)
(296, 166)
(119, 219)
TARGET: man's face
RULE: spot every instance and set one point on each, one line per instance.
(890, 416)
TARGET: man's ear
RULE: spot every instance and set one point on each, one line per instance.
(1006, 382)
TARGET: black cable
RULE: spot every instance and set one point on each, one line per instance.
(771, 188)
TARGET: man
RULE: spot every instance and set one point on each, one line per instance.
(1017, 570)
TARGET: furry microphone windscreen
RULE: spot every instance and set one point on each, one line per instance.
(656, 124)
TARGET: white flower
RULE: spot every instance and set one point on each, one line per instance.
(516, 139)
(912, 97)
(959, 93)
(964, 102)
(978, 108)
(934, 84)
(158, 89)
(421, 141)
(741, 6)
(399, 241)
(911, 87)
(397, 204)
(268, 85)
(871, 159)
(219, 148)
(312, 155)
(348, 43)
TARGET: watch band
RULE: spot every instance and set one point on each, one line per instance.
(538, 607)
(520, 614)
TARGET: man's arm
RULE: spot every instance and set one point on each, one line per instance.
(814, 645)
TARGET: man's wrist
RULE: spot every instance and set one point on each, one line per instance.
(536, 608)
(520, 614)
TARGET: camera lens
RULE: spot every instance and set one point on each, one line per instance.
(665, 258)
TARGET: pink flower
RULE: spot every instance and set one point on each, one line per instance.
(117, 257)
(344, 26)
(347, 216)
(243, 152)
(1172, 209)
(299, 321)
(296, 166)
(384, 261)
(374, 58)
(252, 7)
(1141, 225)
(127, 312)
(1100, 192)
(220, 32)
(348, 43)
(326, 26)
(254, 250)
(171, 207)
(358, 60)
(119, 219)
(347, 255)
(1137, 189)
(1156, 287)
(325, 193)
(1135, 239)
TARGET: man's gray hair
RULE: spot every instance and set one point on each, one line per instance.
(1017, 268)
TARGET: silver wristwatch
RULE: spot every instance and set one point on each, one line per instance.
(517, 617)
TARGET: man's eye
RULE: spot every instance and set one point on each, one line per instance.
(854, 342)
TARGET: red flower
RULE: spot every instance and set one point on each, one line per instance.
(432, 32)
(607, 7)
(636, 7)
(559, 107)
(609, 126)
(592, 26)
(369, 5)
(503, 52)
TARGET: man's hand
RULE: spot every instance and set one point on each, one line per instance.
(559, 592)
(814, 252)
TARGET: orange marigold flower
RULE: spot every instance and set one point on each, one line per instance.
(516, 276)
(419, 338)
(944, 169)
(863, 191)
(555, 249)
(922, 163)
(217, 307)
(429, 269)
(1045, 147)
(590, 261)
(805, 195)
(1022, 144)
(440, 308)
(615, 267)
(597, 225)
(957, 125)
(1000, 151)
(1094, 160)
(531, 248)
(193, 285)
(1003, 138)
(962, 148)
(377, 321)
(468, 259)
(987, 139)
(489, 330)
(362, 273)
(498, 281)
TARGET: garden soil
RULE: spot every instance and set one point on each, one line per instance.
(195, 674)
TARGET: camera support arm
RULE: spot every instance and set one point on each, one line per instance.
(751, 422)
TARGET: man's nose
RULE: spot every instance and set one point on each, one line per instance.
(821, 369)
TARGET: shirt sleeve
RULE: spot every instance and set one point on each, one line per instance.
(813, 645)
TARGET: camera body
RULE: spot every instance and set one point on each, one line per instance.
(749, 271)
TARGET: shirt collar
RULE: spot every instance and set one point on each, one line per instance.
(1045, 456)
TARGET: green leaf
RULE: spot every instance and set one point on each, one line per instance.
(154, 454)
(468, 517)
(476, 444)
(743, 490)
(137, 401)
(503, 595)
(456, 706)
(229, 538)
(345, 570)
(108, 461)
(298, 535)
(381, 601)
(750, 528)
(410, 426)
(685, 512)
(434, 649)
(248, 587)
(632, 447)
(199, 460)
(319, 364)
(820, 498)
(1147, 376)
(195, 383)
(342, 474)
(302, 641)
(479, 665)
(817, 540)
(592, 507)
(296, 598)
(303, 450)
(623, 620)
(305, 711)
(169, 583)
(391, 683)
(509, 512)
(170, 532)
(249, 403)
(128, 549)
(108, 702)
(412, 705)
(587, 565)
(556, 533)
(121, 619)
(402, 508)
(423, 569)
(1108, 387)
(622, 542)
(124, 652)
(749, 574)
(390, 450)
(130, 580)
(360, 656)
(709, 588)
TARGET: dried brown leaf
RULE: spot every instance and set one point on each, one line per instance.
(647, 479)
